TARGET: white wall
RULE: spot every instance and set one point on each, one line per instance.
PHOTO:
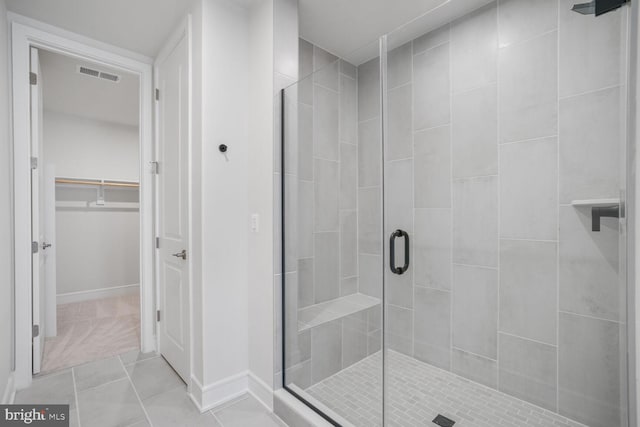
(95, 249)
(260, 192)
(218, 200)
(6, 203)
(85, 148)
(224, 182)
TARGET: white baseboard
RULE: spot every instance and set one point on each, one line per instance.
(115, 291)
(10, 390)
(217, 394)
(260, 390)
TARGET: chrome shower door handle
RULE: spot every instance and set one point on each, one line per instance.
(392, 252)
(182, 254)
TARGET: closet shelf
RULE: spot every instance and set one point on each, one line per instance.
(97, 182)
(69, 205)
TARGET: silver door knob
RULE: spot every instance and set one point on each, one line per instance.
(45, 245)
(182, 254)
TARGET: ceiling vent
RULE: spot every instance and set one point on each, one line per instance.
(98, 74)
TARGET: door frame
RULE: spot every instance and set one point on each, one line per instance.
(26, 33)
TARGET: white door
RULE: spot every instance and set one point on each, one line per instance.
(38, 234)
(172, 150)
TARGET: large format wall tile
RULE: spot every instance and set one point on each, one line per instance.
(432, 174)
(305, 61)
(399, 66)
(589, 371)
(529, 289)
(431, 100)
(590, 127)
(399, 143)
(528, 370)
(354, 338)
(474, 367)
(326, 67)
(529, 190)
(325, 123)
(348, 176)
(431, 39)
(528, 90)
(399, 332)
(590, 50)
(370, 220)
(305, 219)
(369, 153)
(519, 20)
(475, 310)
(348, 244)
(589, 265)
(348, 109)
(398, 196)
(432, 327)
(474, 134)
(305, 142)
(475, 221)
(399, 288)
(369, 90)
(326, 350)
(370, 275)
(432, 248)
(327, 194)
(474, 46)
(326, 281)
(349, 285)
(305, 283)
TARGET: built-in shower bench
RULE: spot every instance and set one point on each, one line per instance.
(334, 309)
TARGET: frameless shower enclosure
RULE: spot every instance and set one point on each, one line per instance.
(453, 221)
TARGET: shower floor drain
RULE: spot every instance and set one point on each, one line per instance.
(443, 421)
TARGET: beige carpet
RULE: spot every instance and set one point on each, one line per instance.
(92, 330)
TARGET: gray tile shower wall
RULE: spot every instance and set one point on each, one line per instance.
(325, 223)
(497, 122)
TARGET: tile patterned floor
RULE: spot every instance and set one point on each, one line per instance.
(136, 390)
(418, 392)
(92, 330)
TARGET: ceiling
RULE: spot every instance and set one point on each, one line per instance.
(350, 28)
(65, 90)
(140, 26)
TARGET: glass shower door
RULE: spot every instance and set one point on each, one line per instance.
(332, 236)
(504, 142)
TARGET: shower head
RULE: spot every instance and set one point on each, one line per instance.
(585, 8)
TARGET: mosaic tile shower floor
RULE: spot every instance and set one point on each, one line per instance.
(418, 392)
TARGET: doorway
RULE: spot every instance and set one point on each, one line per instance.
(24, 38)
(85, 198)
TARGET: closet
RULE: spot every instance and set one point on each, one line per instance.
(91, 180)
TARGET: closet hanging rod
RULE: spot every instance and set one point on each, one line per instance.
(98, 183)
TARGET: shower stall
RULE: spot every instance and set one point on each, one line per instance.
(453, 221)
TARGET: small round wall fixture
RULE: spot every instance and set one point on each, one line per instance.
(222, 148)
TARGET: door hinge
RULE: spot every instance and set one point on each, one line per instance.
(157, 243)
(34, 247)
(35, 331)
(34, 163)
(157, 94)
(33, 78)
(158, 316)
(155, 168)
